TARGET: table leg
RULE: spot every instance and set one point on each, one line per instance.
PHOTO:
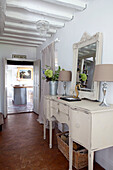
(90, 159)
(44, 127)
(70, 153)
(50, 133)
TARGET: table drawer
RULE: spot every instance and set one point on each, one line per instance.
(54, 104)
(63, 108)
(53, 111)
(60, 116)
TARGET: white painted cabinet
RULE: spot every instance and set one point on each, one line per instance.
(92, 130)
(89, 124)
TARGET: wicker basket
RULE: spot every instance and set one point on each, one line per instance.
(80, 157)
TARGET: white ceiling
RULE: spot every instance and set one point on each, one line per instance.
(18, 19)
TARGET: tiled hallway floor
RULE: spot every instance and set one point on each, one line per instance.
(22, 146)
(20, 108)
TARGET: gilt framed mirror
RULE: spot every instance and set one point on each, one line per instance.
(86, 54)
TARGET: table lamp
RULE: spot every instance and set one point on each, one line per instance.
(64, 76)
(103, 73)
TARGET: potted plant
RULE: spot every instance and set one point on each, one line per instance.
(52, 78)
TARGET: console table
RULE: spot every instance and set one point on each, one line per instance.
(90, 125)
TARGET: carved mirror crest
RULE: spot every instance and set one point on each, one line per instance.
(86, 54)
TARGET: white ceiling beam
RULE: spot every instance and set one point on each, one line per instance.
(14, 43)
(14, 16)
(20, 25)
(24, 37)
(75, 4)
(24, 27)
(40, 8)
(22, 41)
(19, 32)
(2, 15)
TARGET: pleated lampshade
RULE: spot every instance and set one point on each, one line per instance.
(65, 76)
(103, 72)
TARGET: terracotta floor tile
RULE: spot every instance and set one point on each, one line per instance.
(22, 146)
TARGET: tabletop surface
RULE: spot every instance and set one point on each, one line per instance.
(88, 105)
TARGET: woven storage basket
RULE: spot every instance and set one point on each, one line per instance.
(80, 157)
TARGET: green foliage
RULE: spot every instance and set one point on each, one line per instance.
(49, 75)
(83, 77)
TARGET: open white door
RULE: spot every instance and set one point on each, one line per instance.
(5, 87)
(36, 86)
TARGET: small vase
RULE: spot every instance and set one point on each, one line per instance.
(53, 86)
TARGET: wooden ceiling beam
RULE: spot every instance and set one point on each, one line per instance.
(14, 43)
(54, 12)
(20, 41)
(75, 4)
(28, 33)
(2, 15)
(24, 37)
(18, 26)
(17, 17)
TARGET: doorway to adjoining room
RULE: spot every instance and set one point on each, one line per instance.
(19, 88)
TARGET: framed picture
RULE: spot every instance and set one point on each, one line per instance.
(25, 73)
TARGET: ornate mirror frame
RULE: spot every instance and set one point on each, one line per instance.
(85, 41)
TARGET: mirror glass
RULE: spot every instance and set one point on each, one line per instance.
(85, 67)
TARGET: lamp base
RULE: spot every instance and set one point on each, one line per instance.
(104, 89)
(63, 94)
(64, 85)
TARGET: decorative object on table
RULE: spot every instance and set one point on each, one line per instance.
(64, 76)
(76, 90)
(70, 98)
(80, 154)
(103, 73)
(25, 73)
(53, 86)
(52, 78)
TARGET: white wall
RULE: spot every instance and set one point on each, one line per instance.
(6, 51)
(96, 18)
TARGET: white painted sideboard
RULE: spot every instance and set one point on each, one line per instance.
(90, 125)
